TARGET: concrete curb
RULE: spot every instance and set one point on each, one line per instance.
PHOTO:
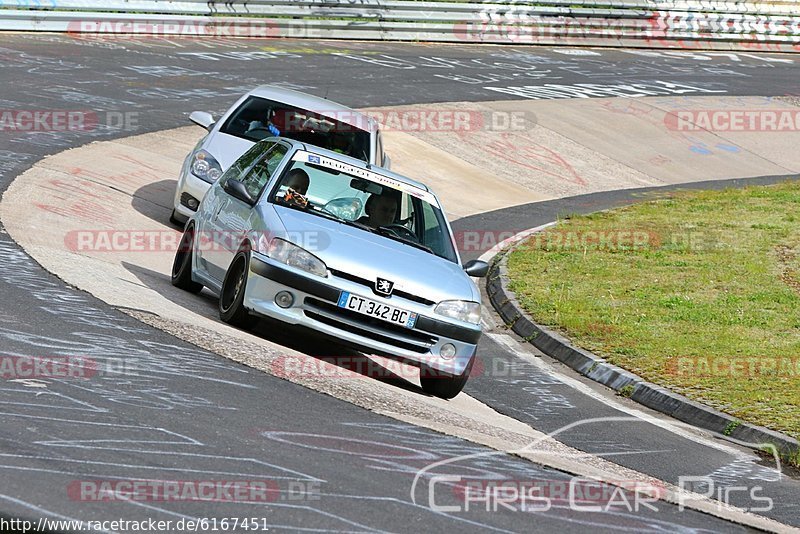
(624, 382)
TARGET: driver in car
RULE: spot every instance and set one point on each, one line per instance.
(267, 125)
(380, 209)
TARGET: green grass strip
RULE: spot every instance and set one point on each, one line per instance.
(698, 292)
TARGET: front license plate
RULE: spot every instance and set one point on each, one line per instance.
(376, 309)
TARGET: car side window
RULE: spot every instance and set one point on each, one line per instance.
(234, 172)
(264, 169)
(432, 228)
(240, 166)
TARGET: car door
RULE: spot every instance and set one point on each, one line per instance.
(211, 239)
(213, 202)
(234, 219)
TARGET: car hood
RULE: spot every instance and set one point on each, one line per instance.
(226, 149)
(368, 256)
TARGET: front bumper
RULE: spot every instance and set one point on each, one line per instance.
(190, 184)
(315, 307)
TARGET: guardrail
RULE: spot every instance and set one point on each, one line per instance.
(691, 24)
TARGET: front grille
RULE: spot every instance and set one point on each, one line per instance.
(369, 327)
(370, 285)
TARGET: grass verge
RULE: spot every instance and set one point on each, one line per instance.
(698, 292)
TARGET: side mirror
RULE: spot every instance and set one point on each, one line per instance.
(387, 162)
(236, 189)
(476, 268)
(202, 118)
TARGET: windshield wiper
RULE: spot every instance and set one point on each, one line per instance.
(388, 232)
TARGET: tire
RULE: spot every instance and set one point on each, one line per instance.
(231, 297)
(444, 385)
(182, 265)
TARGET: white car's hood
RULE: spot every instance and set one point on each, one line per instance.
(226, 149)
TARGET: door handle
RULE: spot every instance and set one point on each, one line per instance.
(222, 205)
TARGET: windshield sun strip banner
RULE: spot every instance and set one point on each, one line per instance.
(316, 159)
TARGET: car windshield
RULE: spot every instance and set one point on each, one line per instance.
(259, 118)
(364, 199)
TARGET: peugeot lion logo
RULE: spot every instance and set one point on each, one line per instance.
(384, 287)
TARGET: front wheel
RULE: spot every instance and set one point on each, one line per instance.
(231, 298)
(444, 385)
(182, 265)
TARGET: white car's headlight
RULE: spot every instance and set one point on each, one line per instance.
(463, 310)
(205, 167)
(290, 254)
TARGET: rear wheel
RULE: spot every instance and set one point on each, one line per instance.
(182, 265)
(444, 385)
(231, 298)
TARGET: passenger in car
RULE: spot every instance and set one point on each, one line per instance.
(298, 180)
(297, 183)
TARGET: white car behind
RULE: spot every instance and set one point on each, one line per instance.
(270, 111)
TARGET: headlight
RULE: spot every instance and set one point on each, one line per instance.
(206, 167)
(290, 254)
(463, 310)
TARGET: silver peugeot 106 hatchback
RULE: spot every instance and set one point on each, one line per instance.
(314, 238)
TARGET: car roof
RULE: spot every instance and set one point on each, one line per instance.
(316, 104)
(355, 162)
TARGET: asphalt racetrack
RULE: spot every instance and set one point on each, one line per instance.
(186, 414)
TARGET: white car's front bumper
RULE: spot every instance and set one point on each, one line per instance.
(188, 184)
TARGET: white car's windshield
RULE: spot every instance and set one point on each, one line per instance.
(259, 118)
(373, 202)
